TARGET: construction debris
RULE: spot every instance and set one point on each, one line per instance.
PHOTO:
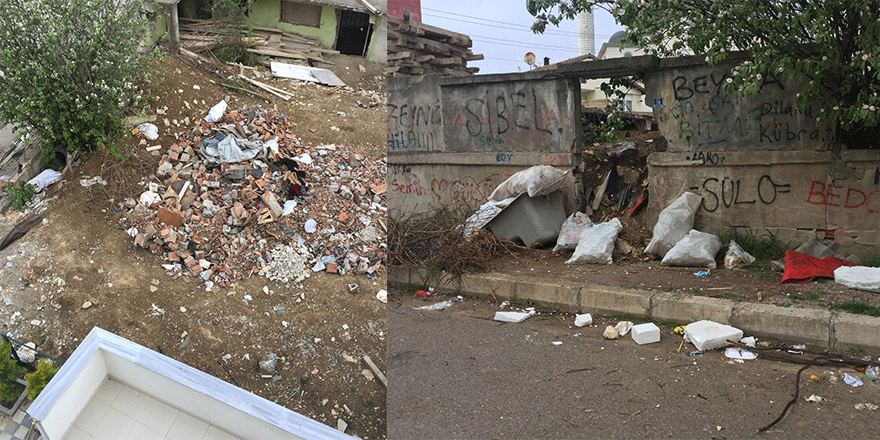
(213, 208)
(416, 48)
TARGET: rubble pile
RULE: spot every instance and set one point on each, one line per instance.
(416, 48)
(242, 196)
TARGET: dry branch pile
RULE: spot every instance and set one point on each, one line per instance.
(416, 49)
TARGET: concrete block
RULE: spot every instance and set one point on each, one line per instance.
(854, 331)
(682, 308)
(564, 295)
(645, 333)
(610, 300)
(794, 325)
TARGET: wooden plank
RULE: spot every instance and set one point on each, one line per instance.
(474, 57)
(446, 61)
(277, 53)
(432, 30)
(424, 58)
(266, 87)
(399, 55)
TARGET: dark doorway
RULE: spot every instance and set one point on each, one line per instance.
(354, 33)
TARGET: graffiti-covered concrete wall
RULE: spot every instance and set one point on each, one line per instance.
(451, 141)
(757, 161)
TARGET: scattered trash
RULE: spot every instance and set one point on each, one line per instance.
(814, 398)
(87, 304)
(596, 243)
(538, 180)
(150, 131)
(673, 223)
(86, 182)
(623, 327)
(44, 179)
(646, 333)
(269, 364)
(701, 274)
(801, 268)
(739, 353)
(341, 425)
(814, 378)
(556, 342)
(852, 381)
(749, 341)
(437, 306)
(617, 150)
(708, 335)
(352, 288)
(694, 249)
(570, 234)
(514, 317)
(736, 257)
(583, 320)
(27, 353)
(858, 277)
(868, 406)
(873, 373)
(424, 294)
(216, 112)
(305, 73)
(691, 353)
(640, 202)
(311, 226)
(382, 296)
(610, 333)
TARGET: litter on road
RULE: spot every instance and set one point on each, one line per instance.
(708, 335)
(514, 317)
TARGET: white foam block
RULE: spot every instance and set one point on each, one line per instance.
(858, 277)
(512, 316)
(709, 335)
(645, 333)
(583, 320)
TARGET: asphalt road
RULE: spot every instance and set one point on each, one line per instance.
(457, 374)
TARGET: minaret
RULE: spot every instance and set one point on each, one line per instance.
(586, 33)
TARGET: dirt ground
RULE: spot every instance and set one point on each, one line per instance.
(81, 253)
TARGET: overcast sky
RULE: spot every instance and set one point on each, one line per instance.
(500, 31)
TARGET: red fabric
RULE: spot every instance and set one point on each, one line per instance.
(800, 268)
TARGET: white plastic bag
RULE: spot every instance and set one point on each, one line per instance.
(736, 257)
(673, 223)
(571, 230)
(216, 112)
(149, 130)
(596, 243)
(695, 249)
(537, 181)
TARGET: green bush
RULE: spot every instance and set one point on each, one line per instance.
(19, 195)
(38, 380)
(71, 68)
(9, 371)
(764, 248)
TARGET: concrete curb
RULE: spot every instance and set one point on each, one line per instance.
(823, 329)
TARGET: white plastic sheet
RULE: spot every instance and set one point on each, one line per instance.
(571, 231)
(44, 179)
(216, 112)
(536, 181)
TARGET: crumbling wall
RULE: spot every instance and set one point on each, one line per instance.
(451, 140)
(757, 162)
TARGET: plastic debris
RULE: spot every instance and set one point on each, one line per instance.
(814, 398)
(852, 381)
(694, 249)
(596, 243)
(382, 296)
(736, 257)
(311, 226)
(750, 341)
(623, 327)
(701, 274)
(646, 333)
(149, 130)
(858, 277)
(583, 320)
(673, 223)
(216, 112)
(739, 353)
(514, 317)
(868, 406)
(571, 230)
(873, 373)
(437, 306)
(44, 179)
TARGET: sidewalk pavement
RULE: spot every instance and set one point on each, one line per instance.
(824, 329)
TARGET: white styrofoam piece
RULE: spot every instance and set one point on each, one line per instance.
(305, 73)
(858, 277)
(583, 320)
(645, 333)
(513, 316)
(709, 335)
(739, 353)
